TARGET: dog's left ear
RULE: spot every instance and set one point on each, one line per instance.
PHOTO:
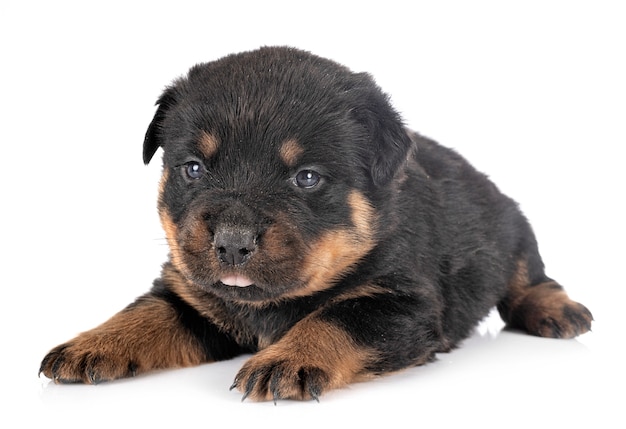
(389, 138)
(153, 139)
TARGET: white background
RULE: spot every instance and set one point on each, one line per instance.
(532, 92)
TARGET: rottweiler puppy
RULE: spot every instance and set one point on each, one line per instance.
(308, 226)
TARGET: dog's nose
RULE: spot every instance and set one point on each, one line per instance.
(234, 246)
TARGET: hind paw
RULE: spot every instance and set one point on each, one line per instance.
(547, 311)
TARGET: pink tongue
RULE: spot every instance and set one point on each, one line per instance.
(236, 280)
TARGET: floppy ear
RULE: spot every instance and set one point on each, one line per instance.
(153, 138)
(390, 141)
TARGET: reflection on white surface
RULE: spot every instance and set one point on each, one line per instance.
(496, 374)
(531, 92)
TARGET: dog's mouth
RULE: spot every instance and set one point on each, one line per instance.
(236, 280)
(234, 263)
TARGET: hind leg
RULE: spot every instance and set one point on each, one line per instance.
(540, 306)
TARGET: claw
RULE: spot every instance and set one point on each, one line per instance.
(274, 384)
(249, 386)
(315, 394)
(93, 378)
(315, 391)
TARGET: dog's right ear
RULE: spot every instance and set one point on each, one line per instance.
(153, 138)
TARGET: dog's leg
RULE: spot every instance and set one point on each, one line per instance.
(347, 341)
(540, 306)
(158, 331)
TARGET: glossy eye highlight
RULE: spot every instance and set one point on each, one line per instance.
(193, 170)
(307, 179)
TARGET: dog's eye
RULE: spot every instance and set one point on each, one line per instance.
(307, 179)
(193, 170)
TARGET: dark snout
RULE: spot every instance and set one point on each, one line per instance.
(234, 245)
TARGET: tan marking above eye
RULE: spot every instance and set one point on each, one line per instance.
(290, 152)
(208, 144)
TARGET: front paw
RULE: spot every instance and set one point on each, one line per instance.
(263, 378)
(312, 358)
(78, 361)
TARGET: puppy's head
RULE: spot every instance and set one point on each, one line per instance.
(270, 159)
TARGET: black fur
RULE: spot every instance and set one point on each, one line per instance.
(216, 345)
(363, 247)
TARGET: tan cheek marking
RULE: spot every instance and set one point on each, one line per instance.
(290, 152)
(363, 214)
(208, 144)
(168, 225)
(171, 232)
(195, 239)
(166, 220)
(338, 251)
